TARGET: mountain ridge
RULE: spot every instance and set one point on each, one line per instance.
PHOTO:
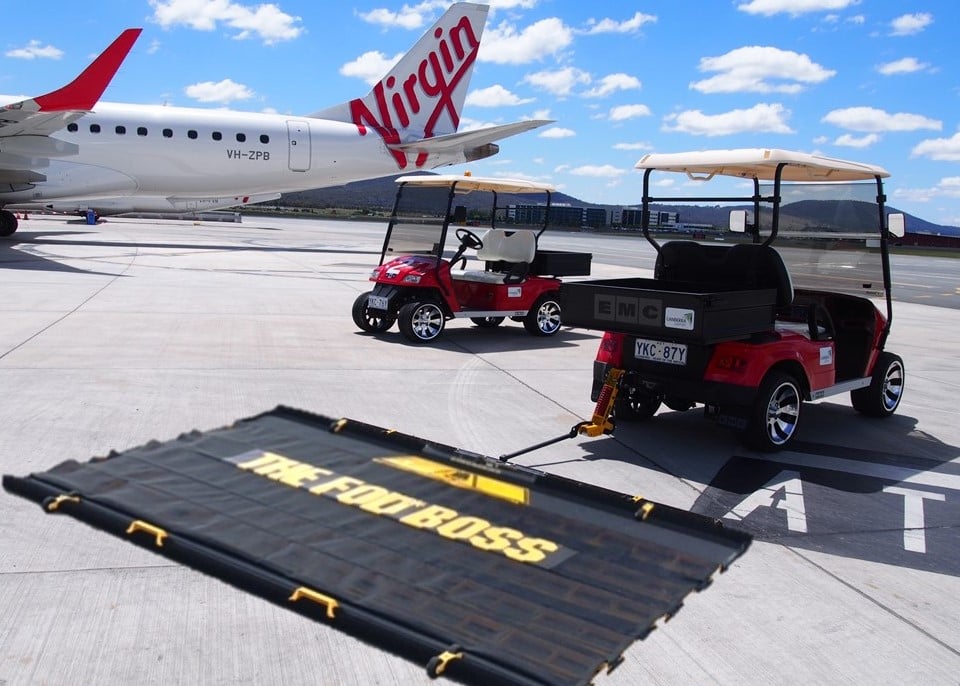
(378, 195)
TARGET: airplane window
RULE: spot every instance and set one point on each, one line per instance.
(141, 130)
(241, 137)
(191, 134)
(168, 133)
(120, 130)
(94, 128)
(264, 138)
(216, 135)
(72, 127)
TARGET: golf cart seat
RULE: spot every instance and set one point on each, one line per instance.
(743, 266)
(507, 255)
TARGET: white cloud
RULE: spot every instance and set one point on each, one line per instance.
(849, 141)
(496, 5)
(760, 69)
(33, 50)
(557, 132)
(633, 146)
(495, 96)
(910, 24)
(559, 82)
(612, 83)
(794, 7)
(761, 118)
(872, 120)
(504, 45)
(407, 18)
(944, 149)
(947, 187)
(604, 171)
(267, 20)
(907, 65)
(624, 112)
(632, 25)
(222, 91)
(370, 66)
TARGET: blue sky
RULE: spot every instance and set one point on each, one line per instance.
(875, 81)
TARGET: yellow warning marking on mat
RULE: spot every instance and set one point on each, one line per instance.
(460, 478)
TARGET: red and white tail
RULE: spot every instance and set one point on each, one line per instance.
(422, 96)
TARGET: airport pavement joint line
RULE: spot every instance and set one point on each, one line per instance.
(890, 611)
(80, 306)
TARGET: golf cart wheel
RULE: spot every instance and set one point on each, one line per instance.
(487, 322)
(882, 397)
(635, 405)
(776, 413)
(678, 404)
(421, 322)
(543, 319)
(367, 320)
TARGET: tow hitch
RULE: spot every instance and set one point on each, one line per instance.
(599, 425)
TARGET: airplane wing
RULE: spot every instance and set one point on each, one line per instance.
(468, 141)
(42, 115)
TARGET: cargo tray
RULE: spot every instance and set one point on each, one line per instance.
(482, 571)
(680, 311)
(561, 263)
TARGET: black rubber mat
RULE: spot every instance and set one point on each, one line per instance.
(483, 571)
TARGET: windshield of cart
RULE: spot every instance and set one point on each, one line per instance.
(416, 227)
(417, 224)
(829, 236)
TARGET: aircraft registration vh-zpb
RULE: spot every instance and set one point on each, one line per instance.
(485, 572)
(65, 151)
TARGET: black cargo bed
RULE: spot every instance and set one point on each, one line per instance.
(561, 263)
(675, 310)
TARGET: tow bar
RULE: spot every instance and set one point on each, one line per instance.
(599, 425)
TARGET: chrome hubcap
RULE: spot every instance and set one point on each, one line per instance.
(783, 412)
(427, 322)
(548, 317)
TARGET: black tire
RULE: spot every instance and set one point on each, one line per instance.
(678, 404)
(543, 319)
(775, 415)
(366, 320)
(634, 405)
(421, 321)
(8, 223)
(487, 322)
(882, 397)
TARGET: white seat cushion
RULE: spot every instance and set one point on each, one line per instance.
(501, 245)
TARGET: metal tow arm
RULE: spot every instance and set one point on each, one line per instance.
(600, 423)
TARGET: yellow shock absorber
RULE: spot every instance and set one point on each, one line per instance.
(601, 423)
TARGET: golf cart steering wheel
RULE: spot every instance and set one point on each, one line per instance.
(468, 239)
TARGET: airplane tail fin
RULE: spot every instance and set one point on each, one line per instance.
(422, 95)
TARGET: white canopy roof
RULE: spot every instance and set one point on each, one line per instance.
(761, 163)
(478, 183)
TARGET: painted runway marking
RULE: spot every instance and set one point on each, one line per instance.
(886, 508)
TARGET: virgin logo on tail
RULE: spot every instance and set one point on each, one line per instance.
(398, 101)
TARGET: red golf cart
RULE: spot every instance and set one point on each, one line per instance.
(421, 285)
(793, 306)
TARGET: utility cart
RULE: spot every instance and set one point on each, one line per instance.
(793, 305)
(420, 283)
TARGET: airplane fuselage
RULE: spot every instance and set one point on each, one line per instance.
(159, 151)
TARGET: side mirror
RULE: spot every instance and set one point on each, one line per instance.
(896, 225)
(738, 221)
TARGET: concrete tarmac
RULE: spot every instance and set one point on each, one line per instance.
(135, 330)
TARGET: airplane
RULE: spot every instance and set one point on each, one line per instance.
(67, 152)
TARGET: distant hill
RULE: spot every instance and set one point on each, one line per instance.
(378, 195)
